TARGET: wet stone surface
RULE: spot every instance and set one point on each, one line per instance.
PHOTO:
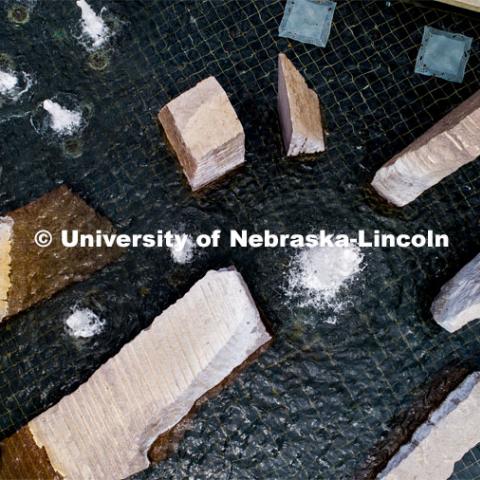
(317, 403)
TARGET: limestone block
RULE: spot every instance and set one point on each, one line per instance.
(459, 299)
(299, 111)
(450, 432)
(106, 428)
(468, 4)
(451, 143)
(29, 273)
(205, 132)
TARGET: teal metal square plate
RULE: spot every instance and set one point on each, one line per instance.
(443, 55)
(308, 21)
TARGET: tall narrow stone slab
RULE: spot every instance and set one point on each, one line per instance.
(29, 273)
(450, 432)
(459, 299)
(451, 143)
(299, 111)
(205, 132)
(104, 430)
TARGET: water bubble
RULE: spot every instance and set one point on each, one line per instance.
(13, 84)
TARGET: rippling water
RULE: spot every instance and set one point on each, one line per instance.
(318, 402)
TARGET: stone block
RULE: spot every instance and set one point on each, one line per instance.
(450, 432)
(451, 143)
(205, 132)
(128, 411)
(29, 273)
(459, 299)
(299, 111)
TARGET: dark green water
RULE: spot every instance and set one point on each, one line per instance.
(317, 403)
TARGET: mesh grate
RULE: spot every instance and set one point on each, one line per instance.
(318, 402)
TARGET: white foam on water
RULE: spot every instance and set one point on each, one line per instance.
(13, 85)
(318, 276)
(183, 253)
(93, 25)
(83, 323)
(62, 120)
(8, 82)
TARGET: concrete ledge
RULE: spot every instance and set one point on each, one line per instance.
(473, 5)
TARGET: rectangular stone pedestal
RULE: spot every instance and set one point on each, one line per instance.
(450, 432)
(135, 401)
(459, 299)
(30, 273)
(205, 132)
(451, 143)
(299, 111)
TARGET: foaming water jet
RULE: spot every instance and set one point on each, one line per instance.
(63, 120)
(318, 275)
(93, 26)
(12, 84)
(8, 82)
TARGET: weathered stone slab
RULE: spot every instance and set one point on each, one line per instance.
(205, 132)
(105, 428)
(299, 110)
(459, 299)
(468, 4)
(29, 273)
(450, 432)
(451, 143)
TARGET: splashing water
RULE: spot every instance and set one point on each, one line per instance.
(83, 323)
(93, 25)
(62, 120)
(8, 82)
(183, 253)
(318, 275)
(13, 85)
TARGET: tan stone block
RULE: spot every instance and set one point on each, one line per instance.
(299, 111)
(450, 432)
(205, 132)
(451, 143)
(459, 299)
(29, 273)
(131, 405)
